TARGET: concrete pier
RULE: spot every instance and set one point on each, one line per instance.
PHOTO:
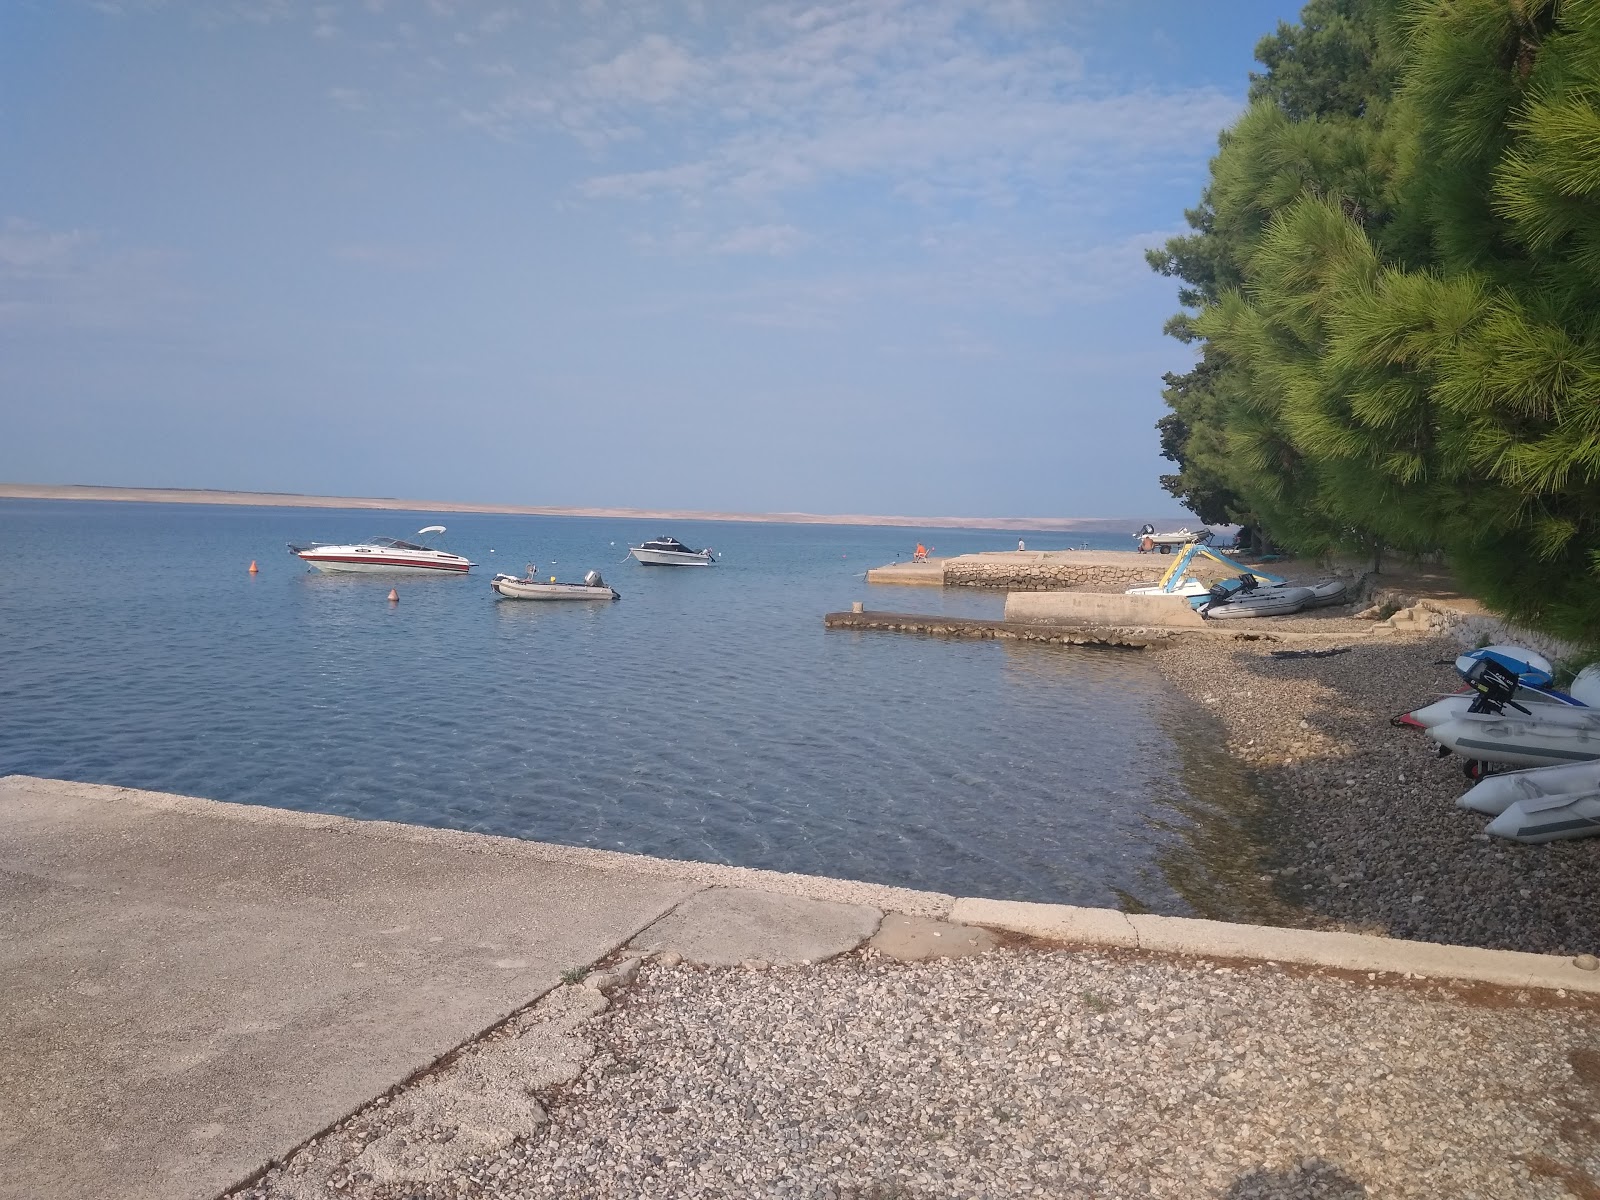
(191, 989)
(1043, 570)
(972, 627)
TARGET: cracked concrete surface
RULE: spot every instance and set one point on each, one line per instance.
(192, 989)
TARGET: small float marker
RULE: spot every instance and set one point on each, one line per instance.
(254, 570)
(394, 595)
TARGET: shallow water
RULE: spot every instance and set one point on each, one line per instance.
(707, 715)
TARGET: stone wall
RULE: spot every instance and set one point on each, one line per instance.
(1057, 571)
(1091, 608)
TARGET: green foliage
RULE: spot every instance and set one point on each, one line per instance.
(1333, 63)
(1396, 267)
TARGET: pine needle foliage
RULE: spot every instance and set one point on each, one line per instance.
(1394, 279)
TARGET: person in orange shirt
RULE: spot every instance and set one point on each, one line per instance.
(921, 555)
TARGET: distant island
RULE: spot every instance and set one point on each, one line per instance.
(76, 491)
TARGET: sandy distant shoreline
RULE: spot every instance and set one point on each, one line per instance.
(47, 491)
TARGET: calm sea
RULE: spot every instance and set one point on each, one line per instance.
(707, 715)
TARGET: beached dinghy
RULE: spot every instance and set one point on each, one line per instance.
(529, 588)
(1519, 740)
(1549, 818)
(1497, 793)
(1246, 597)
(1542, 706)
(1585, 687)
(1531, 668)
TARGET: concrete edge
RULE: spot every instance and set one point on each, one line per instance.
(813, 887)
(1193, 937)
(1071, 924)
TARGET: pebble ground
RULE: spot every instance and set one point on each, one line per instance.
(1056, 1073)
(1358, 817)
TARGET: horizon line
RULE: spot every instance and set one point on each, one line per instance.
(180, 495)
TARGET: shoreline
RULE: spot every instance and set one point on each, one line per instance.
(145, 495)
(1353, 821)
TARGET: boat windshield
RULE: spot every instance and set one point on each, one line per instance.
(667, 544)
(394, 543)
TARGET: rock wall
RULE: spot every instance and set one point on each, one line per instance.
(1087, 571)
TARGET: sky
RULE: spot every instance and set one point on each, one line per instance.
(823, 256)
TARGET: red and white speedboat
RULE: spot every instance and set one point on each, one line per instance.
(382, 555)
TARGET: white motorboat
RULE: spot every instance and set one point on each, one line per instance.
(1497, 793)
(385, 555)
(670, 552)
(528, 588)
(1522, 741)
(1550, 818)
(1148, 539)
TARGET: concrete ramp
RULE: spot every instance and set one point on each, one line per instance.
(188, 989)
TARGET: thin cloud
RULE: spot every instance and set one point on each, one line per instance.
(72, 279)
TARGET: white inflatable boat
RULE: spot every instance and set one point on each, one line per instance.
(1541, 706)
(1492, 796)
(1585, 687)
(1520, 740)
(1549, 818)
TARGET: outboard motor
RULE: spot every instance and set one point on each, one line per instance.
(1221, 593)
(592, 579)
(1494, 684)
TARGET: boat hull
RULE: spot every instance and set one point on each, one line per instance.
(1497, 793)
(1521, 741)
(1273, 602)
(670, 558)
(1549, 819)
(523, 589)
(373, 564)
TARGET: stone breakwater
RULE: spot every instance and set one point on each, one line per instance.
(1070, 570)
(971, 627)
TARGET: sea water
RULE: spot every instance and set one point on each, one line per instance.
(706, 715)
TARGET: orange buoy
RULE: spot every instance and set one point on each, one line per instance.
(253, 568)
(394, 596)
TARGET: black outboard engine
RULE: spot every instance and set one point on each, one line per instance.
(1494, 684)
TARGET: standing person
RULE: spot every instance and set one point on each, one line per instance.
(1020, 546)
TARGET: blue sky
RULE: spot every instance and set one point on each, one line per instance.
(831, 255)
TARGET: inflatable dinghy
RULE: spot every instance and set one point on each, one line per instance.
(1542, 706)
(1262, 602)
(1325, 592)
(1497, 793)
(1549, 818)
(1531, 669)
(1519, 740)
(1585, 688)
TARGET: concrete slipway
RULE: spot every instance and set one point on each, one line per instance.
(190, 989)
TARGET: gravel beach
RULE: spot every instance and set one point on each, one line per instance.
(1357, 817)
(1019, 1072)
